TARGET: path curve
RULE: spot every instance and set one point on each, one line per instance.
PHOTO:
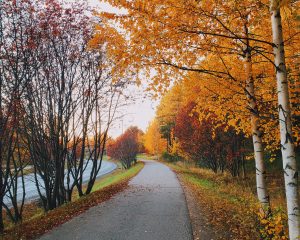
(152, 208)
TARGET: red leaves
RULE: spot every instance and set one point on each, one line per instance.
(207, 141)
(125, 146)
(195, 137)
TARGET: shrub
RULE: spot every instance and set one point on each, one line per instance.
(271, 226)
(126, 147)
(171, 157)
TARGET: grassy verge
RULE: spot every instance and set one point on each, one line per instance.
(39, 222)
(229, 204)
(146, 157)
(117, 177)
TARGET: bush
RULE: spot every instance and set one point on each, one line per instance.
(171, 157)
(271, 226)
(209, 142)
(125, 148)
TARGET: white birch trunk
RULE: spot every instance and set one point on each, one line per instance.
(262, 192)
(287, 145)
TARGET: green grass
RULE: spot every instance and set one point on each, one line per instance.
(146, 156)
(117, 177)
(205, 183)
(210, 185)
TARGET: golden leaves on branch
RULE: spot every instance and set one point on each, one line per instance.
(160, 39)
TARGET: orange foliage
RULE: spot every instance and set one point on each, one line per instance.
(154, 143)
(187, 40)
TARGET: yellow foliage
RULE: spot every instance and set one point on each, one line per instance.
(153, 141)
(271, 226)
(170, 104)
(162, 38)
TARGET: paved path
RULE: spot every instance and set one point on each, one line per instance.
(152, 208)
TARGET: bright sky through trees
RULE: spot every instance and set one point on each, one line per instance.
(142, 111)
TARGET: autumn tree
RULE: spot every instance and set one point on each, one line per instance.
(170, 104)
(17, 60)
(58, 100)
(71, 103)
(52, 97)
(126, 147)
(154, 143)
(188, 43)
(197, 137)
(178, 35)
(286, 133)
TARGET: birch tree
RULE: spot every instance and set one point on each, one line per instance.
(196, 30)
(285, 122)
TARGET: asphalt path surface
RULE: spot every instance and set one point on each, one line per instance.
(152, 208)
(30, 183)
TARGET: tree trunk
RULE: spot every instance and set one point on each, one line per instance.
(262, 192)
(286, 134)
(1, 215)
(243, 167)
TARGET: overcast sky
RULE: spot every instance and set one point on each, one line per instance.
(142, 111)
